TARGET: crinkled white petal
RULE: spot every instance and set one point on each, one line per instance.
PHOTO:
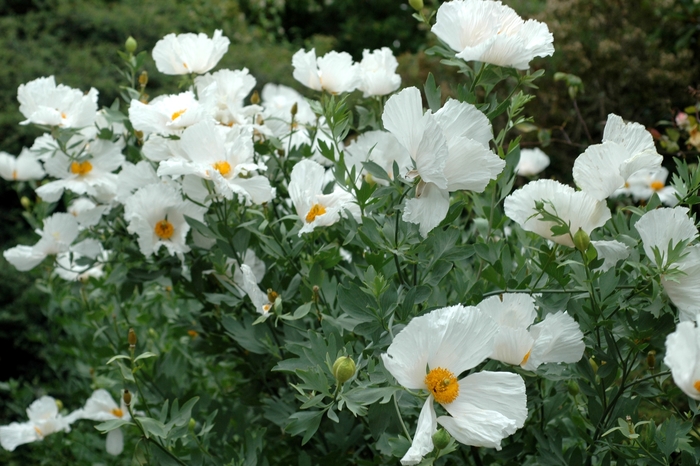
(427, 210)
(532, 162)
(663, 228)
(515, 310)
(558, 339)
(611, 252)
(423, 438)
(683, 358)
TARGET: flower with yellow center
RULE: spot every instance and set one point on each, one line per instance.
(81, 168)
(44, 419)
(223, 167)
(431, 353)
(683, 357)
(101, 407)
(315, 211)
(164, 229)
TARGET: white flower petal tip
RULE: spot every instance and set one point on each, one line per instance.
(335, 72)
(490, 32)
(532, 162)
(378, 72)
(576, 208)
(189, 53)
(611, 252)
(684, 287)
(683, 358)
(557, 339)
(664, 228)
(42, 102)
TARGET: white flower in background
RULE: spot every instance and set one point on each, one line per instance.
(44, 419)
(683, 358)
(604, 168)
(86, 212)
(22, 168)
(256, 266)
(226, 102)
(611, 252)
(135, 176)
(262, 301)
(378, 72)
(67, 266)
(314, 208)
(189, 53)
(380, 147)
(641, 185)
(156, 213)
(490, 32)
(450, 151)
(226, 158)
(484, 407)
(59, 232)
(157, 148)
(334, 72)
(278, 100)
(167, 114)
(101, 407)
(532, 162)
(557, 339)
(684, 288)
(664, 228)
(91, 174)
(576, 208)
(42, 102)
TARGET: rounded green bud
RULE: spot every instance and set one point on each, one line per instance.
(441, 438)
(593, 364)
(582, 240)
(416, 4)
(343, 369)
(192, 424)
(651, 359)
(59, 404)
(130, 45)
(26, 203)
(573, 388)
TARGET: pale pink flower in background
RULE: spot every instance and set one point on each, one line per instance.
(334, 72)
(24, 167)
(490, 32)
(42, 102)
(378, 72)
(189, 53)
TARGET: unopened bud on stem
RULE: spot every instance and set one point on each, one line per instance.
(343, 369)
(651, 359)
(441, 438)
(130, 45)
(132, 338)
(255, 98)
(127, 397)
(143, 79)
(582, 240)
(295, 109)
(416, 4)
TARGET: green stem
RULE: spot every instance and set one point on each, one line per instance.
(398, 413)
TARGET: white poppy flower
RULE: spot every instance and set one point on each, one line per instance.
(189, 53)
(684, 288)
(557, 339)
(490, 32)
(22, 168)
(313, 207)
(102, 407)
(641, 185)
(224, 157)
(664, 228)
(44, 419)
(378, 72)
(42, 102)
(604, 168)
(156, 213)
(532, 162)
(167, 114)
(251, 260)
(576, 208)
(430, 353)
(91, 174)
(611, 252)
(225, 103)
(380, 147)
(334, 72)
(683, 358)
(59, 232)
(249, 283)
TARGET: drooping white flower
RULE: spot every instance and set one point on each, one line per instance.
(314, 208)
(102, 407)
(484, 407)
(226, 102)
(42, 102)
(249, 283)
(167, 114)
(156, 213)
(576, 208)
(380, 147)
(664, 228)
(224, 157)
(59, 232)
(44, 419)
(684, 288)
(604, 168)
(557, 339)
(251, 260)
(490, 32)
(189, 53)
(683, 358)
(532, 162)
(24, 167)
(611, 252)
(378, 72)
(334, 72)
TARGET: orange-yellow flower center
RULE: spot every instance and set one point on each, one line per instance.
(177, 114)
(81, 168)
(315, 211)
(525, 358)
(63, 115)
(117, 412)
(39, 432)
(657, 185)
(14, 174)
(442, 384)
(696, 385)
(222, 167)
(164, 229)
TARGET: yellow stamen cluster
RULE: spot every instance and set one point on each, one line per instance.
(222, 167)
(696, 385)
(164, 229)
(81, 168)
(315, 211)
(117, 412)
(177, 114)
(525, 359)
(657, 185)
(442, 384)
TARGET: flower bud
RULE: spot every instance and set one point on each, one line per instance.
(593, 364)
(295, 109)
(130, 45)
(573, 388)
(26, 203)
(441, 438)
(143, 78)
(127, 397)
(651, 359)
(192, 424)
(255, 98)
(59, 404)
(343, 369)
(132, 338)
(416, 4)
(582, 240)
(271, 295)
